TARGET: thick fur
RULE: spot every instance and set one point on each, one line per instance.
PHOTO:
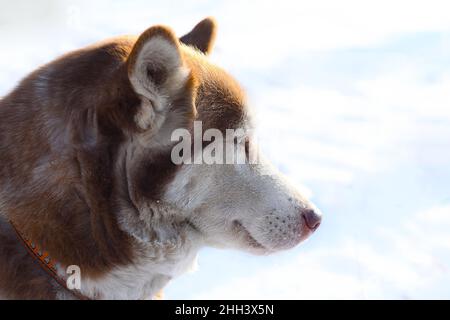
(86, 170)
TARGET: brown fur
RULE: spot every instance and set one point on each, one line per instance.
(61, 131)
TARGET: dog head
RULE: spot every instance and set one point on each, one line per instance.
(191, 115)
(97, 132)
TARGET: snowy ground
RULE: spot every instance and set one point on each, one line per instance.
(353, 102)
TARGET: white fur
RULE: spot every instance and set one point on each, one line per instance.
(146, 116)
(256, 196)
(172, 253)
(145, 278)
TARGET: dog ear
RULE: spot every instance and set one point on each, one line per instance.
(157, 73)
(202, 36)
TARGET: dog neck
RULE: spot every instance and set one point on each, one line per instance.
(164, 247)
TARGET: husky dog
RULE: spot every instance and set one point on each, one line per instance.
(87, 177)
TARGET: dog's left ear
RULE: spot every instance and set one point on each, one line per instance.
(202, 36)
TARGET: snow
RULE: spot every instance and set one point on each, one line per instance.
(353, 105)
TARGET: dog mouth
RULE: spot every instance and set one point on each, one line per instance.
(250, 240)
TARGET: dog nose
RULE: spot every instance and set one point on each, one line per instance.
(312, 218)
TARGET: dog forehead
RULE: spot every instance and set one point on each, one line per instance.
(220, 101)
(220, 106)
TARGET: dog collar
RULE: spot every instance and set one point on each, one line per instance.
(45, 262)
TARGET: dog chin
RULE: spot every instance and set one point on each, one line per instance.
(248, 242)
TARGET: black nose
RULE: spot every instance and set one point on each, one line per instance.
(312, 218)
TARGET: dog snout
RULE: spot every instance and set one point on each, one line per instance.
(312, 218)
